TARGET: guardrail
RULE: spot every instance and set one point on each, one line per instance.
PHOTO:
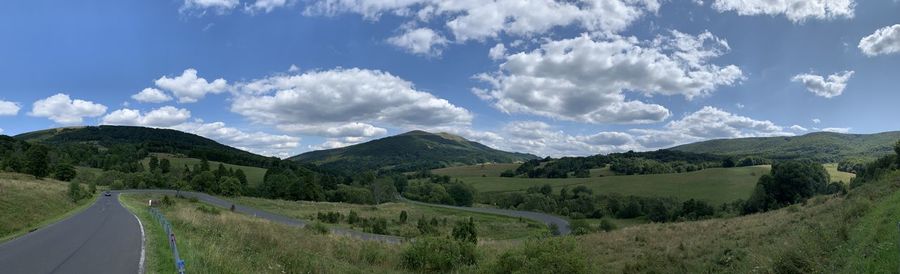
(170, 234)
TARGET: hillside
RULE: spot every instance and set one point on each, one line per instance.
(411, 151)
(149, 140)
(27, 203)
(819, 146)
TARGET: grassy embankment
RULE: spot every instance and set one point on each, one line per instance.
(234, 243)
(835, 234)
(491, 226)
(27, 204)
(254, 174)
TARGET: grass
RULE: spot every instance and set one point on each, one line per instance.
(254, 174)
(234, 243)
(158, 256)
(873, 244)
(715, 185)
(838, 176)
(486, 170)
(489, 226)
(27, 204)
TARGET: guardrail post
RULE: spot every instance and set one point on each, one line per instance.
(170, 235)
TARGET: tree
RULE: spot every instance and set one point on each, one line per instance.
(154, 163)
(546, 189)
(165, 166)
(465, 231)
(403, 216)
(37, 161)
(229, 186)
(203, 182)
(92, 186)
(580, 227)
(462, 194)
(793, 181)
(221, 171)
(239, 174)
(64, 172)
(728, 162)
(75, 192)
(897, 150)
(204, 164)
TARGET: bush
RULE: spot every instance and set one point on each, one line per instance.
(76, 193)
(552, 255)
(466, 231)
(580, 227)
(607, 225)
(117, 185)
(403, 216)
(166, 201)
(318, 228)
(64, 172)
(438, 254)
(207, 209)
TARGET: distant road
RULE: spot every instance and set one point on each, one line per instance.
(270, 216)
(104, 238)
(540, 217)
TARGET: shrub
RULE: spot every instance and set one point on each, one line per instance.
(403, 216)
(580, 227)
(318, 228)
(76, 193)
(426, 228)
(207, 209)
(166, 201)
(607, 225)
(554, 229)
(552, 255)
(438, 254)
(117, 185)
(465, 231)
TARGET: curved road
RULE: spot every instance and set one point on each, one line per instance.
(268, 215)
(104, 238)
(540, 217)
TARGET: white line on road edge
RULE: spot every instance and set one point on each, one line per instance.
(141, 262)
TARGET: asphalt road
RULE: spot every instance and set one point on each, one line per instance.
(540, 217)
(271, 216)
(104, 238)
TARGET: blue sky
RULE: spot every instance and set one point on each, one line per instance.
(280, 77)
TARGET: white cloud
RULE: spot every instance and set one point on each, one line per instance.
(162, 117)
(265, 5)
(282, 146)
(189, 88)
(1, 131)
(883, 41)
(542, 139)
(816, 120)
(63, 110)
(151, 95)
(828, 88)
(799, 128)
(585, 79)
(219, 6)
(9, 108)
(739, 105)
(331, 143)
(497, 52)
(837, 129)
(353, 99)
(477, 20)
(710, 122)
(422, 41)
(293, 68)
(798, 11)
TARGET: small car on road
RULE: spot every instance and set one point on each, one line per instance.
(106, 193)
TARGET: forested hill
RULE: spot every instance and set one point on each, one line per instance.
(411, 151)
(144, 140)
(819, 146)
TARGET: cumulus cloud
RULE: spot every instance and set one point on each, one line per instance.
(816, 120)
(201, 6)
(884, 41)
(189, 88)
(837, 129)
(265, 5)
(497, 52)
(798, 11)
(799, 128)
(422, 41)
(351, 99)
(151, 95)
(710, 122)
(542, 139)
(162, 117)
(478, 20)
(585, 79)
(282, 146)
(9, 108)
(63, 110)
(833, 86)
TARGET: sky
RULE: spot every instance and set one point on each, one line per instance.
(552, 78)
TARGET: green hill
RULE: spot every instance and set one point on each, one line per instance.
(411, 151)
(819, 146)
(148, 140)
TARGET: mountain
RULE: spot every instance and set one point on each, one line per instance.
(819, 146)
(411, 151)
(149, 140)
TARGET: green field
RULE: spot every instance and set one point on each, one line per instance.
(838, 176)
(26, 203)
(716, 185)
(489, 226)
(255, 175)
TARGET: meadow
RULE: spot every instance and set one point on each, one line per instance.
(492, 227)
(27, 203)
(255, 175)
